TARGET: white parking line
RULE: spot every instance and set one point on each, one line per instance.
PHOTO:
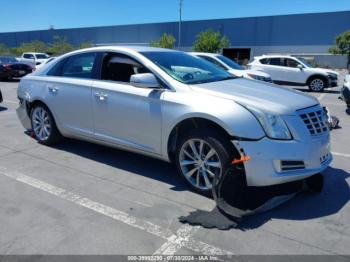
(9, 101)
(340, 154)
(183, 237)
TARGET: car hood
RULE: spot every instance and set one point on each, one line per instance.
(263, 96)
(324, 70)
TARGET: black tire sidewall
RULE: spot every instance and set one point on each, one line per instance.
(54, 134)
(214, 139)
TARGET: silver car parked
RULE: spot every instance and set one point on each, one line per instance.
(176, 107)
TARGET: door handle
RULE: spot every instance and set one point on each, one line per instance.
(53, 89)
(101, 96)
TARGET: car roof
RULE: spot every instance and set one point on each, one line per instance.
(273, 56)
(129, 48)
(34, 53)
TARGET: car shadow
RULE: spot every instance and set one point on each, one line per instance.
(304, 206)
(128, 161)
(3, 108)
(307, 206)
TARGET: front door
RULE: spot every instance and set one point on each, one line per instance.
(124, 114)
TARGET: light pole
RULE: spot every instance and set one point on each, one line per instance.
(180, 20)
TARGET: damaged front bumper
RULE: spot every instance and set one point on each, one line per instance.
(275, 162)
(22, 114)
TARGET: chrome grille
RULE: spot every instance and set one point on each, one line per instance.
(315, 120)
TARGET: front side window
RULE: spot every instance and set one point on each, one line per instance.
(186, 68)
(79, 66)
(305, 62)
(291, 63)
(119, 67)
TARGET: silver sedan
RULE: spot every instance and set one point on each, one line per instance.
(176, 107)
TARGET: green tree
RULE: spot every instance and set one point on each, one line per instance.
(3, 49)
(33, 46)
(165, 41)
(60, 46)
(210, 41)
(342, 46)
(85, 45)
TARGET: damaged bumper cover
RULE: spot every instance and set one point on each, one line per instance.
(22, 114)
(275, 162)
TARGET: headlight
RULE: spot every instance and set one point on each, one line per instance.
(256, 77)
(332, 75)
(260, 78)
(274, 125)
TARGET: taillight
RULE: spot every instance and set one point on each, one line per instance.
(7, 67)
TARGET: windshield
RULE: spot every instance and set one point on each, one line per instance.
(41, 56)
(187, 68)
(229, 62)
(305, 62)
(7, 60)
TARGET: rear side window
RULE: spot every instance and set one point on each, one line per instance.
(79, 66)
(57, 68)
(28, 56)
(264, 61)
(275, 61)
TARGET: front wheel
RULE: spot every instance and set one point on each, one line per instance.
(201, 156)
(317, 85)
(44, 126)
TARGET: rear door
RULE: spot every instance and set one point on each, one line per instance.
(124, 114)
(273, 66)
(68, 90)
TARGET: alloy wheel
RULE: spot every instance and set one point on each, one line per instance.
(41, 123)
(199, 163)
(317, 84)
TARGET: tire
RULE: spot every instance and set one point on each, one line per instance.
(44, 126)
(317, 84)
(193, 166)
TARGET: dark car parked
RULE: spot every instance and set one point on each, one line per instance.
(10, 68)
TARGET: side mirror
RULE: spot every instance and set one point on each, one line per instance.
(300, 67)
(145, 80)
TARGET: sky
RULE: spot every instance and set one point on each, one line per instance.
(26, 15)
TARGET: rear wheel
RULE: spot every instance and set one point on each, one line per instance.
(200, 156)
(44, 126)
(317, 84)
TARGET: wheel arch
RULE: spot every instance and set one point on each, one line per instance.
(190, 123)
(314, 76)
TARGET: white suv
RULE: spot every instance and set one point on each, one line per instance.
(34, 58)
(289, 70)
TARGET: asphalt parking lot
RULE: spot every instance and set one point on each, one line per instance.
(80, 198)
